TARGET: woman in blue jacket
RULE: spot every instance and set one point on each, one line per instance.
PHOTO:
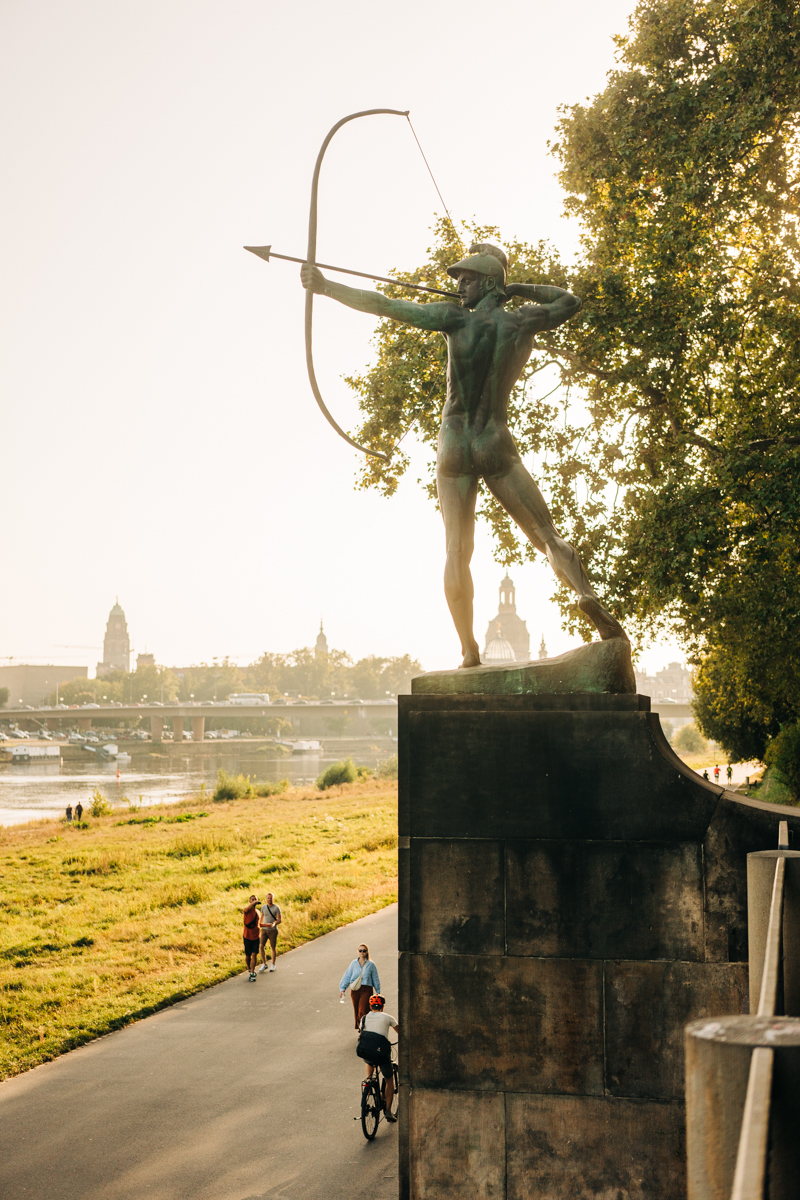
(362, 979)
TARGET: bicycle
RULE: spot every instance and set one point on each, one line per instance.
(373, 1098)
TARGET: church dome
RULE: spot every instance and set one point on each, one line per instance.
(116, 611)
(498, 650)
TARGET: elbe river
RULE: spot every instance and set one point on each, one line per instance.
(30, 791)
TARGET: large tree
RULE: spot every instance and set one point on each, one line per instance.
(679, 478)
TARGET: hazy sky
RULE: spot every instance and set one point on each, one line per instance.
(159, 440)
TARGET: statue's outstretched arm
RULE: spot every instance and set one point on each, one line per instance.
(438, 318)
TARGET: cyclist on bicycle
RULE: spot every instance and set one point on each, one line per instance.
(375, 1048)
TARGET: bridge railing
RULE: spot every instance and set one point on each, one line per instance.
(743, 1072)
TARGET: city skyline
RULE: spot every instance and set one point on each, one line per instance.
(649, 663)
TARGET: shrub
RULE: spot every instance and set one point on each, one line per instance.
(690, 740)
(231, 787)
(667, 728)
(388, 768)
(783, 756)
(338, 773)
(241, 787)
(267, 788)
(99, 806)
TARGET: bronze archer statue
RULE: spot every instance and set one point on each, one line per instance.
(488, 348)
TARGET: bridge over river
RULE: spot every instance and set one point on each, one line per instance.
(302, 718)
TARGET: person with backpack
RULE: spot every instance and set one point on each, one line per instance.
(250, 937)
(375, 1048)
(362, 979)
(268, 929)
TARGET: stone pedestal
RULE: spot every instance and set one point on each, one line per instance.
(571, 895)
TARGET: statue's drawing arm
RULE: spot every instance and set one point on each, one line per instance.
(440, 318)
(551, 306)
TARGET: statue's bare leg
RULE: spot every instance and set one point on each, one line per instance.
(520, 497)
(457, 496)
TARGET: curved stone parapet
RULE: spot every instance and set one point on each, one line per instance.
(571, 895)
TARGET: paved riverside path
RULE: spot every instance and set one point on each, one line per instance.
(245, 1091)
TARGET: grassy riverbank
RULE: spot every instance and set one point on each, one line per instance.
(108, 923)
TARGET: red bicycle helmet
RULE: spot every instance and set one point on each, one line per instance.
(376, 1001)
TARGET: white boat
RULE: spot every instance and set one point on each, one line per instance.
(35, 754)
(302, 747)
(107, 752)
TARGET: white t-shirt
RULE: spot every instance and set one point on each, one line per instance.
(379, 1022)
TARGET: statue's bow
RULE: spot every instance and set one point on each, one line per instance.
(311, 257)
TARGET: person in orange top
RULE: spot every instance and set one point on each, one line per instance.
(250, 937)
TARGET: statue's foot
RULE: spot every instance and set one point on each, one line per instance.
(607, 626)
(472, 658)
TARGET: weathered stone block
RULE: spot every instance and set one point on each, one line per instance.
(479, 1022)
(459, 1145)
(648, 1004)
(459, 902)
(604, 899)
(526, 773)
(587, 1148)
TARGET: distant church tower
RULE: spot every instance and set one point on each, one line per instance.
(542, 649)
(508, 628)
(321, 644)
(116, 644)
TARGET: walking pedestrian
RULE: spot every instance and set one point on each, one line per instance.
(729, 772)
(78, 811)
(362, 979)
(69, 814)
(716, 773)
(268, 929)
(250, 937)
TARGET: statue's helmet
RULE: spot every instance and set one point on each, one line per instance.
(484, 260)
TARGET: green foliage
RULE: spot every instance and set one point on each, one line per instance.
(783, 756)
(211, 682)
(242, 787)
(99, 806)
(333, 673)
(667, 728)
(388, 768)
(689, 740)
(3, 696)
(126, 688)
(744, 691)
(338, 773)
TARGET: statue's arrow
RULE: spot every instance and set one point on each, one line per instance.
(266, 252)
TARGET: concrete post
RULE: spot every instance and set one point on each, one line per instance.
(718, 1056)
(198, 728)
(760, 877)
(156, 724)
(177, 729)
